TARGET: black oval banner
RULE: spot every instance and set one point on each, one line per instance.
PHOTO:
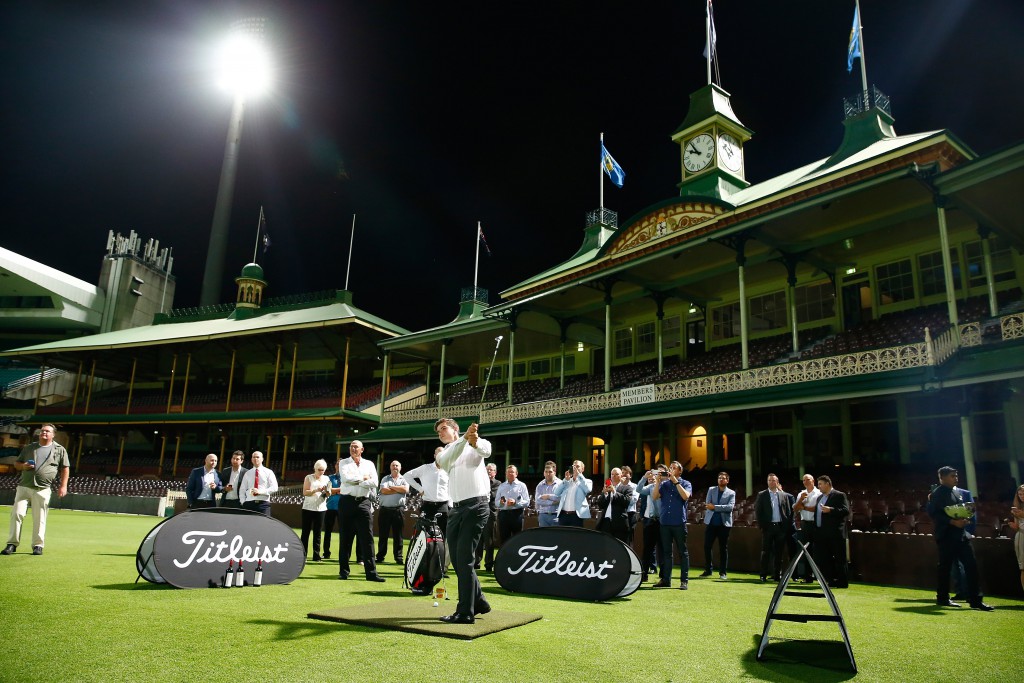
(567, 562)
(194, 549)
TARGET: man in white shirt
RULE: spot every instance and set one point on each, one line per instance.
(432, 483)
(806, 502)
(258, 484)
(513, 498)
(463, 459)
(355, 511)
(231, 478)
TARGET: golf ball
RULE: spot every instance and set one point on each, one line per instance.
(435, 603)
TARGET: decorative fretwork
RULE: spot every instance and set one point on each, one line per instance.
(477, 294)
(866, 99)
(1012, 326)
(602, 216)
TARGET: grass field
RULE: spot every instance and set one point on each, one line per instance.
(75, 614)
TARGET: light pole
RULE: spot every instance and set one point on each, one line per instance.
(245, 72)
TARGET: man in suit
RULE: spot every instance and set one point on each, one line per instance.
(830, 513)
(572, 494)
(718, 507)
(613, 504)
(487, 541)
(231, 478)
(203, 483)
(774, 510)
(953, 541)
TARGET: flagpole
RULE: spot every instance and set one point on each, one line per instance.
(351, 240)
(863, 66)
(256, 247)
(476, 265)
(707, 34)
(600, 176)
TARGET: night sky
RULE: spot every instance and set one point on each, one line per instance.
(423, 118)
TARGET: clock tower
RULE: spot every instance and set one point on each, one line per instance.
(711, 146)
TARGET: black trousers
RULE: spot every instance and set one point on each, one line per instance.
(773, 540)
(510, 523)
(260, 506)
(486, 542)
(464, 529)
(330, 521)
(312, 520)
(390, 524)
(720, 533)
(429, 509)
(652, 545)
(356, 518)
(618, 527)
(230, 503)
(951, 550)
(830, 556)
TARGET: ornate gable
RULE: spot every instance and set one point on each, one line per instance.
(665, 222)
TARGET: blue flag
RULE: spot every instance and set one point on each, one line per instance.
(853, 49)
(611, 167)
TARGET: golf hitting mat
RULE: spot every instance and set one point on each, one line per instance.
(420, 616)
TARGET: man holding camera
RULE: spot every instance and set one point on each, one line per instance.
(673, 492)
(614, 504)
(513, 499)
(39, 464)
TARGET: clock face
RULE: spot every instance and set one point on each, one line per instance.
(698, 152)
(729, 152)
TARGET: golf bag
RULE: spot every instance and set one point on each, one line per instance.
(425, 560)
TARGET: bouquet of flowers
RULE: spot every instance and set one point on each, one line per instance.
(961, 511)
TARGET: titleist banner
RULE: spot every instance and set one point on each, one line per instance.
(567, 562)
(196, 548)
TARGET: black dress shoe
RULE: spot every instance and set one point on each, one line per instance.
(706, 572)
(764, 579)
(376, 578)
(9, 550)
(662, 584)
(482, 607)
(343, 577)
(982, 606)
(38, 550)
(379, 560)
(458, 619)
(327, 556)
(947, 603)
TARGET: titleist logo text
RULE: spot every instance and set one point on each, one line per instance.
(545, 559)
(223, 551)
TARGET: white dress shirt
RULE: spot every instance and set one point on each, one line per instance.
(433, 482)
(268, 485)
(467, 475)
(810, 502)
(357, 480)
(233, 480)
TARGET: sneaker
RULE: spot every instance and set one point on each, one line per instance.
(684, 586)
(722, 576)
(9, 550)
(38, 550)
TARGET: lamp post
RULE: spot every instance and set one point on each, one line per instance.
(245, 72)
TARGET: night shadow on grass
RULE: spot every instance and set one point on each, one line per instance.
(822, 661)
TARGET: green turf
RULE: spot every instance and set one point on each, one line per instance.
(75, 614)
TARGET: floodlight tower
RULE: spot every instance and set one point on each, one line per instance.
(245, 72)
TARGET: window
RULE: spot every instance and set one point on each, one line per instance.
(768, 312)
(518, 370)
(570, 364)
(541, 366)
(931, 273)
(646, 342)
(495, 373)
(623, 343)
(725, 322)
(895, 282)
(815, 302)
(1002, 261)
(670, 328)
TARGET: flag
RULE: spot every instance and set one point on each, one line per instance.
(266, 242)
(711, 44)
(483, 240)
(853, 49)
(611, 167)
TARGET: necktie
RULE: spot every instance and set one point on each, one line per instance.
(257, 478)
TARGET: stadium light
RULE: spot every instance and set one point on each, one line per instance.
(245, 70)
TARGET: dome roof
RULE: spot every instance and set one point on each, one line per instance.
(253, 271)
